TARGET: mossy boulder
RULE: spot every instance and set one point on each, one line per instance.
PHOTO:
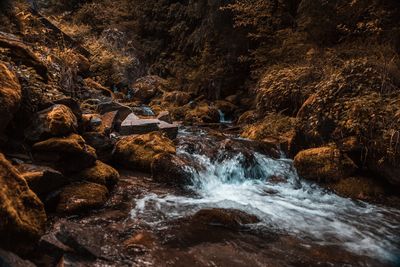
(171, 169)
(22, 213)
(69, 153)
(57, 120)
(100, 173)
(137, 152)
(324, 164)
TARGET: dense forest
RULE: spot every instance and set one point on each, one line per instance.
(199, 133)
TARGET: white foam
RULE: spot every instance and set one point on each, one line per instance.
(295, 207)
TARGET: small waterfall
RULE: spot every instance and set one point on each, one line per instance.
(289, 204)
(222, 118)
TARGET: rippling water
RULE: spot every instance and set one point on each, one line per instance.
(293, 207)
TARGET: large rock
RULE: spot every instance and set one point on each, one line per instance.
(57, 120)
(22, 213)
(41, 179)
(170, 169)
(79, 197)
(103, 144)
(10, 95)
(68, 153)
(101, 173)
(325, 164)
(145, 88)
(134, 125)
(138, 152)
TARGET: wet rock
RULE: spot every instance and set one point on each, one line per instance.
(324, 164)
(122, 112)
(68, 153)
(170, 169)
(103, 144)
(9, 259)
(41, 179)
(86, 241)
(134, 125)
(202, 113)
(230, 218)
(22, 213)
(80, 197)
(142, 240)
(57, 120)
(147, 87)
(50, 244)
(101, 173)
(138, 152)
(10, 95)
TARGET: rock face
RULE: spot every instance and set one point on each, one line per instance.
(41, 179)
(138, 152)
(170, 169)
(10, 95)
(101, 173)
(21, 212)
(80, 197)
(57, 120)
(69, 153)
(324, 164)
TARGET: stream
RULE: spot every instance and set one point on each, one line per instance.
(286, 205)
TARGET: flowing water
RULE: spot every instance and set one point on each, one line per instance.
(290, 205)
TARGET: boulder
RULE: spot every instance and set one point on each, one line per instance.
(22, 213)
(145, 88)
(103, 144)
(41, 179)
(9, 259)
(363, 188)
(230, 218)
(101, 173)
(202, 113)
(138, 152)
(134, 125)
(10, 95)
(57, 120)
(68, 153)
(325, 164)
(171, 169)
(80, 197)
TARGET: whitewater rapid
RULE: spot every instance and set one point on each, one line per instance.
(293, 207)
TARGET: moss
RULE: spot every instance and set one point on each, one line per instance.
(101, 173)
